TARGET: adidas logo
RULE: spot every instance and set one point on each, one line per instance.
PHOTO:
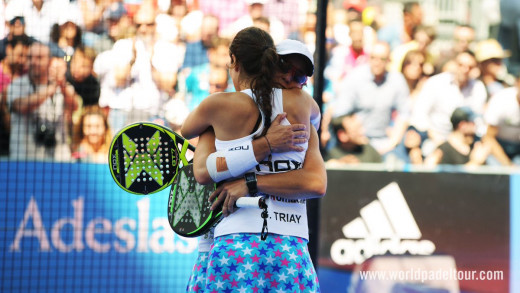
(385, 225)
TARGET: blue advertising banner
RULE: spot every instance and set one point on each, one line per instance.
(69, 228)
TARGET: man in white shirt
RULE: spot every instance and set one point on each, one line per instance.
(503, 118)
(40, 15)
(41, 103)
(443, 93)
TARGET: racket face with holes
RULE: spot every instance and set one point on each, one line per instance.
(144, 157)
(189, 211)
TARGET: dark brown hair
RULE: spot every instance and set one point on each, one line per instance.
(56, 33)
(254, 50)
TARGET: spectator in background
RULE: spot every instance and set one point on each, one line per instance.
(413, 71)
(262, 22)
(352, 145)
(119, 26)
(42, 103)
(394, 35)
(441, 95)
(344, 58)
(96, 14)
(81, 76)
(415, 77)
(15, 63)
(12, 66)
(307, 32)
(198, 31)
(226, 11)
(92, 136)
(380, 99)
(423, 36)
(503, 132)
(198, 82)
(66, 36)
(508, 33)
(289, 12)
(461, 147)
(490, 56)
(16, 28)
(40, 15)
(463, 41)
(255, 10)
(131, 74)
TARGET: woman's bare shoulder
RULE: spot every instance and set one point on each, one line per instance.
(230, 101)
(298, 104)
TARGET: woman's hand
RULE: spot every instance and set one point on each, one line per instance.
(285, 138)
(227, 194)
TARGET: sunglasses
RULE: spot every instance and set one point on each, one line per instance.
(296, 75)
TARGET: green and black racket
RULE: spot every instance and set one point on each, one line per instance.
(144, 157)
(189, 211)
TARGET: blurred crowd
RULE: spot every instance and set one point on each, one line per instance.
(74, 72)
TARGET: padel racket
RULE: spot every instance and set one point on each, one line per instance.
(144, 157)
(189, 211)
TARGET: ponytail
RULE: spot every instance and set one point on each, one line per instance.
(254, 49)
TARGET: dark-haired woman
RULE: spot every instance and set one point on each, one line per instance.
(238, 257)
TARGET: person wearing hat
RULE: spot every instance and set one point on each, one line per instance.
(298, 60)
(461, 147)
(16, 28)
(502, 116)
(490, 56)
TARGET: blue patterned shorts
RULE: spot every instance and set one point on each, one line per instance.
(198, 274)
(244, 263)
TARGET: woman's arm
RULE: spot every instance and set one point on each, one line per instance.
(199, 119)
(490, 139)
(308, 182)
(278, 139)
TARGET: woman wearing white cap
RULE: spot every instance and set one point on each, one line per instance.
(284, 251)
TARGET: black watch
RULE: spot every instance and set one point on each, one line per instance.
(251, 183)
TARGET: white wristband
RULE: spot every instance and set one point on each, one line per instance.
(234, 162)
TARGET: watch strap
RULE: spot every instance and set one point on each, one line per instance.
(251, 183)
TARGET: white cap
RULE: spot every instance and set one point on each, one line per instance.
(288, 46)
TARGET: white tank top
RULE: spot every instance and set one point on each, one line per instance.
(286, 217)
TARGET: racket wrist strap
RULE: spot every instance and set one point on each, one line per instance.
(265, 215)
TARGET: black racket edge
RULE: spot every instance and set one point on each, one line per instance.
(214, 218)
(114, 158)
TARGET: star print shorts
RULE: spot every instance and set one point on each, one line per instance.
(198, 274)
(244, 263)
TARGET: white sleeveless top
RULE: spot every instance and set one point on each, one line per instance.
(286, 217)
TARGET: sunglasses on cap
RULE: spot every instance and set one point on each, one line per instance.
(297, 75)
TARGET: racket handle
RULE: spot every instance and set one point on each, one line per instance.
(251, 202)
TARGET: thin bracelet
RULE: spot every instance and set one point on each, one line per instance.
(270, 149)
